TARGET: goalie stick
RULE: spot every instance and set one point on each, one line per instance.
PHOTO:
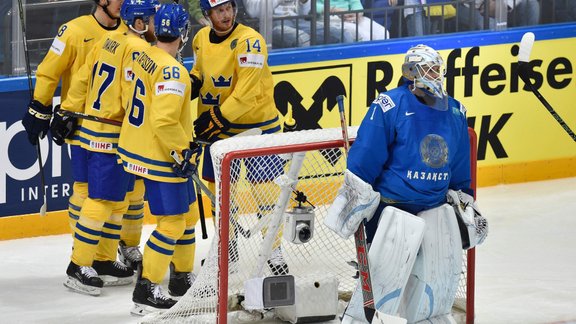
(523, 71)
(360, 234)
(29, 74)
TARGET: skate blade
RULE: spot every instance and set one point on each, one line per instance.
(110, 281)
(76, 286)
(142, 310)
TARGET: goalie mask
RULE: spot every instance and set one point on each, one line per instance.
(222, 18)
(425, 67)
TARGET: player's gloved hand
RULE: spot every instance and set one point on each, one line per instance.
(196, 85)
(210, 124)
(62, 126)
(36, 121)
(184, 167)
(473, 226)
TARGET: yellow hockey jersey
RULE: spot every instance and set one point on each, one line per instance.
(101, 88)
(67, 54)
(158, 117)
(237, 78)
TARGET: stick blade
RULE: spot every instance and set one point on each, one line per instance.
(43, 209)
(526, 47)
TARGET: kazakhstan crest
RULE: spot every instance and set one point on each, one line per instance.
(434, 151)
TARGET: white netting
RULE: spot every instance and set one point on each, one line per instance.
(264, 174)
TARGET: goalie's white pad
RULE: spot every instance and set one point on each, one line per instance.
(356, 201)
(391, 257)
(432, 285)
(473, 226)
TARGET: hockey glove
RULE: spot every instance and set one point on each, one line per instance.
(210, 124)
(62, 127)
(36, 121)
(196, 85)
(473, 226)
(183, 167)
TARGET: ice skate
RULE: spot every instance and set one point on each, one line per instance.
(129, 255)
(83, 280)
(148, 297)
(113, 273)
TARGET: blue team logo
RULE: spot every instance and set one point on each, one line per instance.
(434, 151)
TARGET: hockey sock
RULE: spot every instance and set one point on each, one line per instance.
(89, 230)
(185, 249)
(160, 247)
(108, 246)
(134, 218)
(79, 194)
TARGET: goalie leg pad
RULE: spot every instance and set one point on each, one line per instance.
(432, 285)
(391, 257)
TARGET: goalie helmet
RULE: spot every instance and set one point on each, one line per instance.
(425, 67)
(172, 21)
(134, 9)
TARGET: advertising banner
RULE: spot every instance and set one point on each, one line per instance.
(518, 139)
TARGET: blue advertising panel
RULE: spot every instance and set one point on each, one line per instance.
(20, 183)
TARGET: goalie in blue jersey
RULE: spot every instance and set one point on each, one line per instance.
(411, 156)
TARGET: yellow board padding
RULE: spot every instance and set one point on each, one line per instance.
(54, 223)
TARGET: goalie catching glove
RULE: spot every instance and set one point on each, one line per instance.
(473, 226)
(62, 126)
(36, 121)
(356, 201)
(210, 124)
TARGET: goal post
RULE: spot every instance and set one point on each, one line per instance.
(257, 179)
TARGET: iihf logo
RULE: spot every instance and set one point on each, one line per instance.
(209, 100)
(222, 82)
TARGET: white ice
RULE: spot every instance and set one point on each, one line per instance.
(526, 269)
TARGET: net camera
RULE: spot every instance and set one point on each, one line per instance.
(299, 222)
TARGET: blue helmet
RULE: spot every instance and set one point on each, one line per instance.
(172, 20)
(133, 9)
(206, 5)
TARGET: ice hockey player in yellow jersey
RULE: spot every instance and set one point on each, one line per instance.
(236, 94)
(99, 88)
(65, 57)
(156, 132)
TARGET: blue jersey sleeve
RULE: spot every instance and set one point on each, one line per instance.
(460, 166)
(370, 149)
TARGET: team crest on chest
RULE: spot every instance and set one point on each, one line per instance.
(434, 151)
(221, 82)
(210, 100)
(233, 44)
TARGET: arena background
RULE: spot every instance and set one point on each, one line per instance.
(519, 140)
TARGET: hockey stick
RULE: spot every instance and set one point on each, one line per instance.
(90, 117)
(200, 186)
(523, 68)
(29, 73)
(360, 234)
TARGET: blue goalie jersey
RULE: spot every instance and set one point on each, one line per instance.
(411, 153)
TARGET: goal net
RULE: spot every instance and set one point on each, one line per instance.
(258, 180)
